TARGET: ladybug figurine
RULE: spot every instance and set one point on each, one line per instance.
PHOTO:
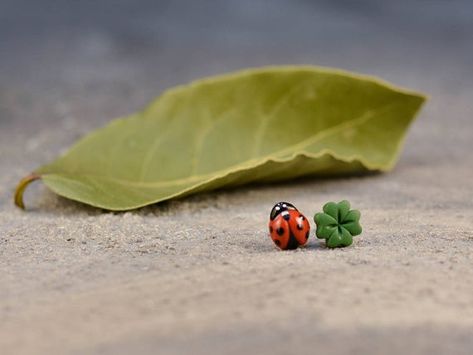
(288, 228)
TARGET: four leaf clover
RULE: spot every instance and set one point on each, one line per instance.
(337, 224)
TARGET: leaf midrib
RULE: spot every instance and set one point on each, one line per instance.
(296, 149)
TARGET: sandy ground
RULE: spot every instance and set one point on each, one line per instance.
(200, 275)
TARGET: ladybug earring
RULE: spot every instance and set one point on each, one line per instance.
(288, 227)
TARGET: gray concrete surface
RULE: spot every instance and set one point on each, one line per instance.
(199, 275)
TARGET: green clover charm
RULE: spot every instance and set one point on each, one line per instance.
(337, 224)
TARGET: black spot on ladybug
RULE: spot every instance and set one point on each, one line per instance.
(286, 216)
(292, 243)
(280, 231)
(299, 226)
(277, 242)
(307, 235)
(270, 229)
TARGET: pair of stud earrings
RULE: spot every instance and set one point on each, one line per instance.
(337, 224)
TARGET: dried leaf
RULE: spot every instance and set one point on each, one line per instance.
(257, 125)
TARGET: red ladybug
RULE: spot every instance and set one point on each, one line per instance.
(288, 228)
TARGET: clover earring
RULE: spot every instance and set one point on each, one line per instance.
(337, 224)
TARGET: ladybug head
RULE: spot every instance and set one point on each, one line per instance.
(280, 207)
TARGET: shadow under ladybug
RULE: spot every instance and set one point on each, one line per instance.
(288, 228)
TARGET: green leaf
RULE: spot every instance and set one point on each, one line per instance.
(331, 209)
(258, 125)
(343, 209)
(346, 237)
(335, 239)
(353, 215)
(325, 231)
(353, 227)
(323, 218)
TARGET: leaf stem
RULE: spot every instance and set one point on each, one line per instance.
(20, 188)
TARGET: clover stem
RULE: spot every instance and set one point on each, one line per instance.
(20, 188)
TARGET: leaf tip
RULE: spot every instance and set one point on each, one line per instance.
(21, 187)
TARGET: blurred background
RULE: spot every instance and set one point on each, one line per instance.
(93, 60)
(73, 273)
